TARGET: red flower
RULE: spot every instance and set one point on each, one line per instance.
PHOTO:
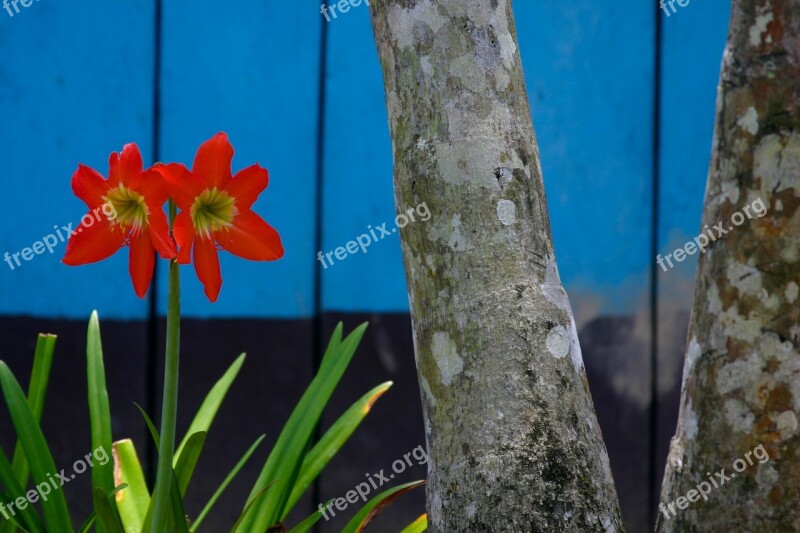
(215, 212)
(135, 198)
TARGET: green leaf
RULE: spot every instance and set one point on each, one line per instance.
(99, 412)
(37, 392)
(188, 460)
(93, 516)
(331, 443)
(417, 526)
(333, 345)
(210, 406)
(11, 484)
(40, 460)
(376, 505)
(286, 458)
(104, 512)
(178, 513)
(132, 503)
(224, 485)
(308, 523)
(260, 494)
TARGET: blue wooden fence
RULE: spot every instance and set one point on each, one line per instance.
(624, 160)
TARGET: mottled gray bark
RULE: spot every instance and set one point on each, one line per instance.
(741, 389)
(511, 430)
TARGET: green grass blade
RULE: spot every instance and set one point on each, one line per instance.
(211, 404)
(376, 505)
(99, 410)
(40, 460)
(132, 503)
(331, 442)
(224, 485)
(286, 458)
(104, 511)
(308, 523)
(333, 345)
(178, 512)
(188, 460)
(37, 392)
(87, 525)
(417, 526)
(28, 515)
(259, 495)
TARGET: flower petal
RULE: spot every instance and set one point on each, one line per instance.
(213, 161)
(158, 228)
(251, 238)
(141, 263)
(93, 243)
(183, 186)
(90, 186)
(152, 185)
(124, 166)
(247, 184)
(183, 231)
(206, 264)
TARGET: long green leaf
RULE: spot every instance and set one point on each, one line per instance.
(308, 523)
(37, 392)
(417, 526)
(99, 410)
(132, 502)
(40, 460)
(105, 514)
(13, 520)
(286, 458)
(178, 513)
(188, 460)
(333, 345)
(331, 442)
(210, 406)
(376, 505)
(90, 521)
(224, 485)
(11, 484)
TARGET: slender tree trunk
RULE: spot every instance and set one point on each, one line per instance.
(511, 430)
(741, 393)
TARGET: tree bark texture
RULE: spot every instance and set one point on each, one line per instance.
(511, 429)
(741, 384)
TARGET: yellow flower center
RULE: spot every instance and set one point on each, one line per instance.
(213, 210)
(129, 206)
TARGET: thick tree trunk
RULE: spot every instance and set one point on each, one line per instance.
(741, 392)
(511, 429)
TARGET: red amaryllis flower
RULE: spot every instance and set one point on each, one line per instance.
(135, 199)
(215, 212)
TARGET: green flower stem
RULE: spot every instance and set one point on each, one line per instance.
(169, 408)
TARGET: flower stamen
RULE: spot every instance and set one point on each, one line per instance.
(213, 210)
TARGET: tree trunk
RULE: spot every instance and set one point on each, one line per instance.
(511, 429)
(741, 391)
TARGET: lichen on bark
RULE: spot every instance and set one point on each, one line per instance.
(741, 384)
(511, 430)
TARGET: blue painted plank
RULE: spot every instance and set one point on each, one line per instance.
(77, 84)
(693, 41)
(358, 188)
(589, 69)
(250, 69)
